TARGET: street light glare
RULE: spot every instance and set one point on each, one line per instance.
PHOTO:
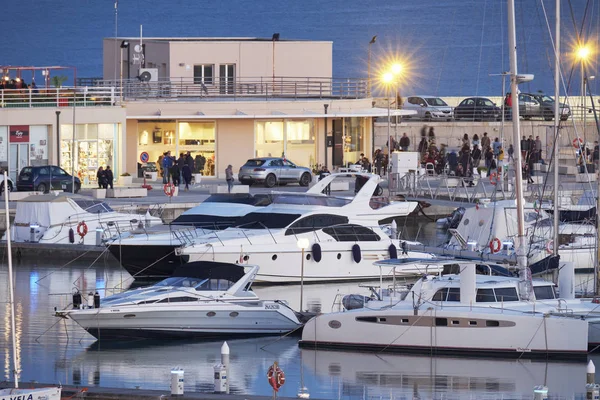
(396, 68)
(583, 52)
(388, 77)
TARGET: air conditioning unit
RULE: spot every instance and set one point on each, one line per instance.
(148, 74)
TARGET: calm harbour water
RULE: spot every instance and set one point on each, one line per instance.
(53, 350)
(452, 46)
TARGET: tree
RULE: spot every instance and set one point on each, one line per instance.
(58, 80)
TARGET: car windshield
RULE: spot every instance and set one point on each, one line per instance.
(435, 101)
(486, 102)
(254, 163)
(546, 99)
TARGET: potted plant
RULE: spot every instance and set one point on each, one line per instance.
(482, 171)
(125, 179)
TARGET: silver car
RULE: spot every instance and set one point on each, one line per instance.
(429, 108)
(273, 171)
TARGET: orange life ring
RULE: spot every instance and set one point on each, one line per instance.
(82, 229)
(276, 377)
(169, 189)
(577, 142)
(493, 178)
(550, 246)
(495, 245)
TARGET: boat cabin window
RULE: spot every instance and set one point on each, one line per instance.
(544, 292)
(485, 296)
(197, 283)
(93, 206)
(315, 222)
(266, 220)
(215, 222)
(182, 299)
(506, 294)
(447, 294)
(352, 233)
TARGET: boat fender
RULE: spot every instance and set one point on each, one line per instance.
(76, 300)
(96, 300)
(356, 253)
(71, 235)
(316, 252)
(393, 251)
(90, 300)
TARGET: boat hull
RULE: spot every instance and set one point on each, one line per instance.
(481, 333)
(50, 393)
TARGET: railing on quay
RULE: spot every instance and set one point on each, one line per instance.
(240, 88)
(59, 97)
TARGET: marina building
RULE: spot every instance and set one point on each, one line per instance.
(222, 99)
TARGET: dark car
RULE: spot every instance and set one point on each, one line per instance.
(477, 108)
(541, 106)
(46, 178)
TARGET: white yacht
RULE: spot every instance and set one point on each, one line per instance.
(491, 228)
(458, 314)
(150, 253)
(342, 237)
(66, 218)
(207, 300)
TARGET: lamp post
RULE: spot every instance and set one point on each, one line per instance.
(325, 106)
(302, 245)
(58, 138)
(387, 79)
(585, 83)
(124, 45)
(369, 78)
(582, 54)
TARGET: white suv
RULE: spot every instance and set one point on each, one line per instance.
(429, 108)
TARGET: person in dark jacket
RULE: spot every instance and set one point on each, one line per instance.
(404, 142)
(175, 174)
(186, 173)
(423, 145)
(101, 177)
(452, 161)
(109, 176)
(180, 164)
(476, 156)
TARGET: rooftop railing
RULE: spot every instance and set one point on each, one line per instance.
(59, 97)
(261, 88)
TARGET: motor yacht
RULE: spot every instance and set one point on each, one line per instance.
(458, 314)
(72, 219)
(341, 237)
(149, 254)
(206, 300)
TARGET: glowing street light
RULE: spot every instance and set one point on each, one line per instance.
(583, 53)
(387, 79)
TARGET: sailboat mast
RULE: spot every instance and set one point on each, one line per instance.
(10, 284)
(524, 275)
(556, 123)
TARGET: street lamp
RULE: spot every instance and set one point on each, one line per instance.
(369, 78)
(582, 54)
(302, 245)
(124, 45)
(387, 79)
(585, 82)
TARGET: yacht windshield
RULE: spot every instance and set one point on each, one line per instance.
(305, 199)
(182, 282)
(93, 206)
(266, 220)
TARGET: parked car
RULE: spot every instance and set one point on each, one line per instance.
(477, 108)
(541, 106)
(10, 183)
(273, 171)
(429, 108)
(45, 178)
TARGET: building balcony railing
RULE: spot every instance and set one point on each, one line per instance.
(261, 88)
(59, 97)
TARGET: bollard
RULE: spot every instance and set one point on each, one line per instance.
(176, 382)
(225, 362)
(220, 382)
(591, 373)
(394, 230)
(99, 235)
(592, 391)
(540, 393)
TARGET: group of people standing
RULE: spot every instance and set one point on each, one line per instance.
(177, 169)
(105, 177)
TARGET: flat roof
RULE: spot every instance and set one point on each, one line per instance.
(214, 39)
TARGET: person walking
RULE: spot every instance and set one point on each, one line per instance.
(489, 157)
(496, 147)
(508, 107)
(109, 176)
(186, 173)
(475, 140)
(180, 164)
(596, 155)
(175, 174)
(229, 177)
(465, 140)
(511, 152)
(538, 150)
(423, 145)
(476, 156)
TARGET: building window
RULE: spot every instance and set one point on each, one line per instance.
(226, 78)
(203, 73)
(353, 138)
(269, 139)
(294, 139)
(199, 139)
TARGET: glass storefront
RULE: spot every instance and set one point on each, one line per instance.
(95, 145)
(354, 129)
(157, 137)
(294, 139)
(22, 145)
